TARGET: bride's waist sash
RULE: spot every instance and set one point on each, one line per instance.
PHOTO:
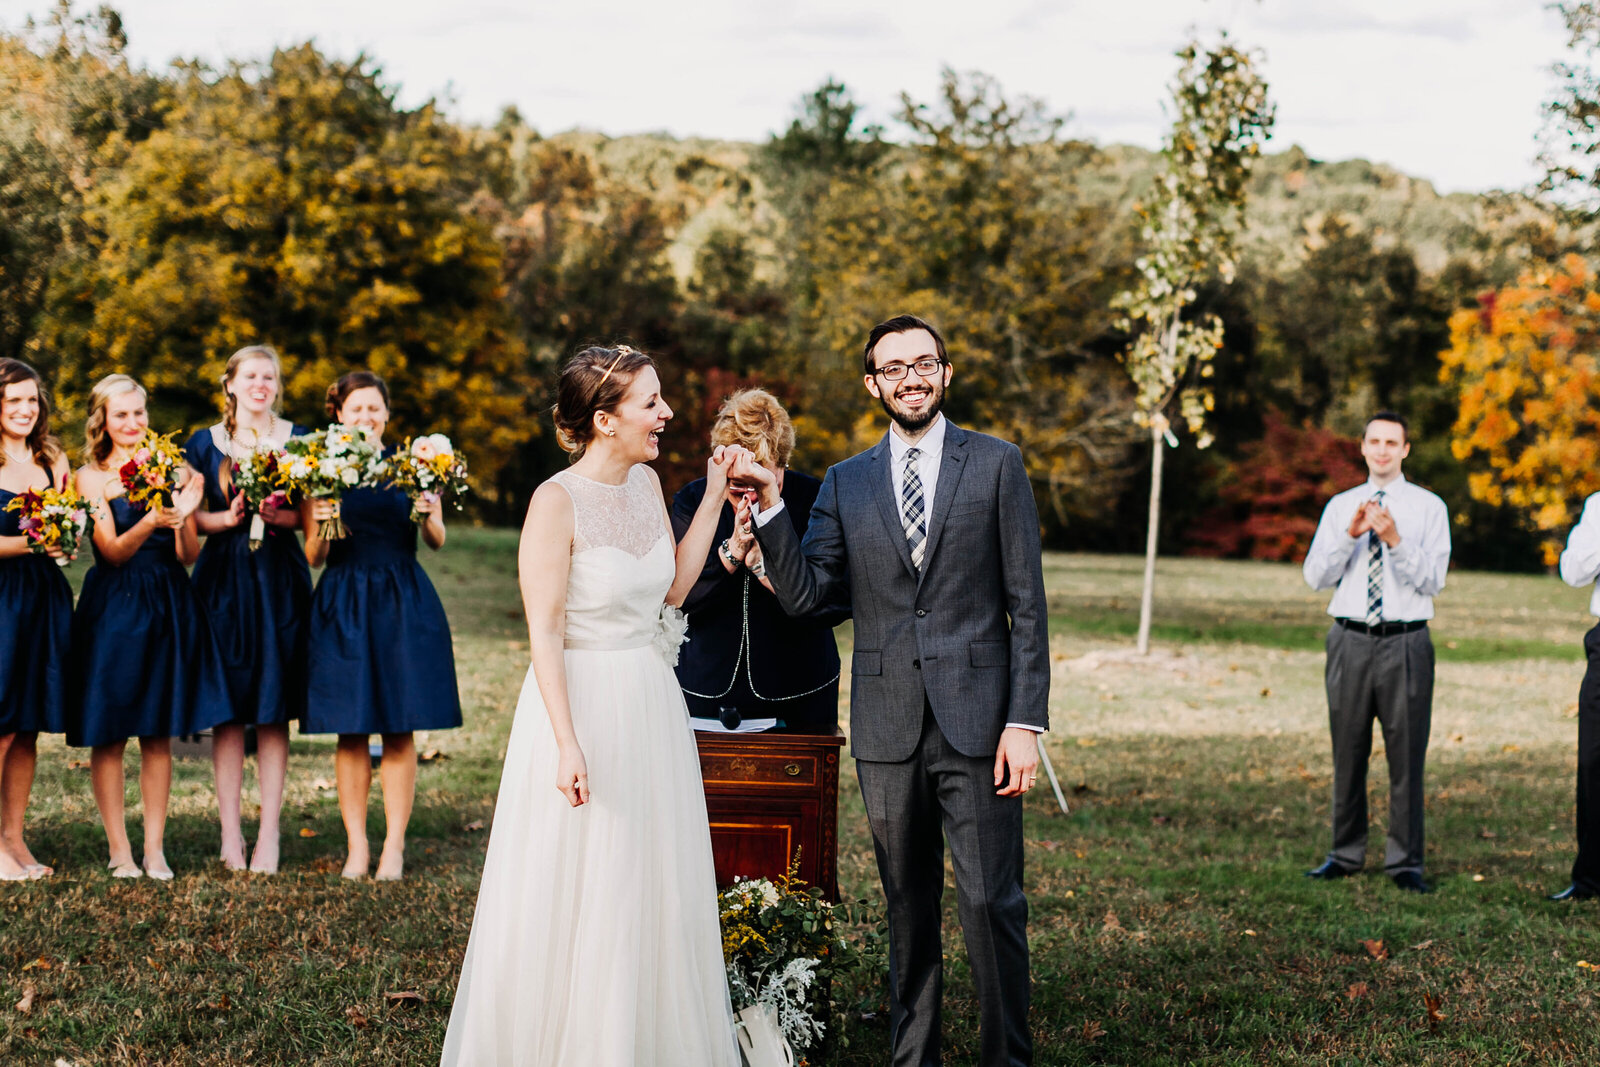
(609, 644)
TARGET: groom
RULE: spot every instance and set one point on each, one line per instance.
(934, 535)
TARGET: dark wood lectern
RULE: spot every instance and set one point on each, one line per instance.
(769, 794)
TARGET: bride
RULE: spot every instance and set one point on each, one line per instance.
(596, 939)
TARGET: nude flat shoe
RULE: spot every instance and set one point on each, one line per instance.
(127, 870)
(39, 870)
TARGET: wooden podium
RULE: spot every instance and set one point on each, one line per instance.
(768, 794)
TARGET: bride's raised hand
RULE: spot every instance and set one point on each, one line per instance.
(722, 458)
(572, 775)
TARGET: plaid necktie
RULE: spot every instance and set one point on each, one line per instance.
(911, 508)
(1375, 572)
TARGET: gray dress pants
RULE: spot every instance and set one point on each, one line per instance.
(913, 806)
(1389, 679)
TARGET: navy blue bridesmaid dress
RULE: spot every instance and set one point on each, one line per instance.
(35, 634)
(258, 603)
(380, 659)
(144, 661)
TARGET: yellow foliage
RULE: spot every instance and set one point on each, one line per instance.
(1528, 411)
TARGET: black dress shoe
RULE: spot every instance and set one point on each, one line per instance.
(1411, 882)
(1574, 892)
(1329, 871)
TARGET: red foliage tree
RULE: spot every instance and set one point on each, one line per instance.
(1274, 492)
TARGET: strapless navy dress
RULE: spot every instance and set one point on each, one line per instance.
(380, 659)
(35, 634)
(258, 603)
(144, 662)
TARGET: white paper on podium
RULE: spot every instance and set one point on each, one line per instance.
(748, 726)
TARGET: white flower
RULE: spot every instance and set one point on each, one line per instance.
(350, 475)
(672, 630)
(769, 895)
(441, 444)
(423, 448)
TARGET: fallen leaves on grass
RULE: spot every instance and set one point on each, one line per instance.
(1356, 991)
(474, 826)
(41, 963)
(357, 1017)
(25, 1005)
(405, 998)
(432, 755)
(1486, 834)
(1265, 691)
(322, 783)
(1160, 820)
(1111, 924)
(1583, 965)
(1419, 946)
(1431, 1002)
(1375, 949)
(77, 764)
(306, 831)
(1091, 1031)
(1082, 788)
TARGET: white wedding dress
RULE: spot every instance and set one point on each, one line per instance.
(596, 941)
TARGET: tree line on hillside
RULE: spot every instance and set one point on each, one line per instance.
(152, 222)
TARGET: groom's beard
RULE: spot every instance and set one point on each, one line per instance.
(914, 420)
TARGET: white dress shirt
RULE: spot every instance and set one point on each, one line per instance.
(1413, 571)
(1580, 563)
(928, 463)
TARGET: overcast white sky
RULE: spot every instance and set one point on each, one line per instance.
(1448, 90)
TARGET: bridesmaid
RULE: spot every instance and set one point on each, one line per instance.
(380, 659)
(36, 621)
(257, 600)
(144, 662)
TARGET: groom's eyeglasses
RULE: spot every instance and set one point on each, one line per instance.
(925, 368)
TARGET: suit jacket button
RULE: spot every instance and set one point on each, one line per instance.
(920, 613)
(917, 663)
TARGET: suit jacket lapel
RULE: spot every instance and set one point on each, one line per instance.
(883, 491)
(944, 493)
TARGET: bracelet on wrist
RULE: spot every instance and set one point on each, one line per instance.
(726, 554)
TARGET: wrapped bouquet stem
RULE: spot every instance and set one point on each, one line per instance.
(258, 476)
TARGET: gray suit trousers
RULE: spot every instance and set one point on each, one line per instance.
(1389, 679)
(912, 806)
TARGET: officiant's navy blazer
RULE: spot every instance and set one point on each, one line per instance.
(967, 637)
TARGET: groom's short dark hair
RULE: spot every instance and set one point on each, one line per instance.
(899, 324)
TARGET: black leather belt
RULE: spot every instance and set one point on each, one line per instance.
(1383, 629)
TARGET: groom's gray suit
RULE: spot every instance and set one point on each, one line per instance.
(944, 660)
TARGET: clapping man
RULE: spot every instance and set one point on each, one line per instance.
(1580, 566)
(934, 535)
(1385, 547)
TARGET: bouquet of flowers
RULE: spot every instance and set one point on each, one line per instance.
(427, 468)
(257, 476)
(150, 478)
(787, 956)
(53, 518)
(323, 464)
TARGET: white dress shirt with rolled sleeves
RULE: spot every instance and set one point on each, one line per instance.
(1413, 571)
(1580, 563)
(928, 463)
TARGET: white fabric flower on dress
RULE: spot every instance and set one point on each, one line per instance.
(672, 630)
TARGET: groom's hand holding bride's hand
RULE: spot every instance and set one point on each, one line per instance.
(572, 775)
(747, 472)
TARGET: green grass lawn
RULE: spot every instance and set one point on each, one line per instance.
(1170, 921)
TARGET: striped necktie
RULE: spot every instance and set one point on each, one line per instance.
(912, 510)
(1375, 572)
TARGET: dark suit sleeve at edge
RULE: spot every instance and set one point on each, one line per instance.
(811, 577)
(1023, 572)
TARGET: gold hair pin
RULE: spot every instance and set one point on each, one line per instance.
(620, 353)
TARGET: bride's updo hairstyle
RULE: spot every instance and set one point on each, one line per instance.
(594, 380)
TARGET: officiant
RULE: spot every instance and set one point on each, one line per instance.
(747, 664)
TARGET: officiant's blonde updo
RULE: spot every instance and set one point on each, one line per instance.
(594, 380)
(754, 419)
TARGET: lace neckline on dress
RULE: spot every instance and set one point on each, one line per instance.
(626, 517)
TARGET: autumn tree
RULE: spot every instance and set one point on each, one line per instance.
(292, 202)
(975, 223)
(1528, 378)
(66, 90)
(1221, 117)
